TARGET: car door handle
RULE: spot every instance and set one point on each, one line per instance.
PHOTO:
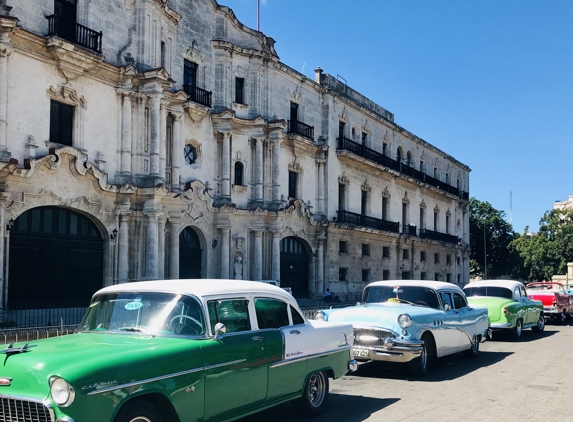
(257, 338)
(295, 332)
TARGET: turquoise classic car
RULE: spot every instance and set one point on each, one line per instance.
(177, 351)
(508, 307)
(411, 321)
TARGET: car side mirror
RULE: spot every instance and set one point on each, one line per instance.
(447, 307)
(220, 329)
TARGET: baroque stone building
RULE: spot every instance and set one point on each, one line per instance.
(144, 139)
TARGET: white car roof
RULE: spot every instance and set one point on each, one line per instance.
(199, 287)
(508, 284)
(437, 285)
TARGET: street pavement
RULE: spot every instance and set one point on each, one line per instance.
(529, 380)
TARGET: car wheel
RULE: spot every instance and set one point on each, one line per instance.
(418, 367)
(561, 318)
(517, 330)
(473, 351)
(540, 324)
(138, 411)
(314, 395)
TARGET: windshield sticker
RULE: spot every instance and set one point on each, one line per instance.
(133, 306)
(394, 300)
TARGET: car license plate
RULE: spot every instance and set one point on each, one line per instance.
(361, 353)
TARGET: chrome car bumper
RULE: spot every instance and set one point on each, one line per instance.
(499, 325)
(394, 350)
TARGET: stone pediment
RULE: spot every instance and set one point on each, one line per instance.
(72, 61)
(196, 112)
(168, 11)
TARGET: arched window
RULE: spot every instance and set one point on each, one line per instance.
(399, 155)
(239, 173)
(409, 159)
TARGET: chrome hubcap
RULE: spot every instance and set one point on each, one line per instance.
(140, 419)
(541, 323)
(424, 357)
(316, 389)
(518, 328)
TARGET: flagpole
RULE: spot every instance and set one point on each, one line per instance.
(258, 15)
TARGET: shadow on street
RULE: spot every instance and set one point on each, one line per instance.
(341, 407)
(443, 369)
(526, 336)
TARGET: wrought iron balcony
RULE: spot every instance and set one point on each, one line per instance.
(409, 230)
(366, 221)
(198, 95)
(441, 237)
(74, 33)
(301, 129)
(379, 158)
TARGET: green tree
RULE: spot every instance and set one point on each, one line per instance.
(547, 252)
(490, 237)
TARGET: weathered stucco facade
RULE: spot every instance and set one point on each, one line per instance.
(195, 152)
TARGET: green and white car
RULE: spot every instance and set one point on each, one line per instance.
(509, 308)
(177, 351)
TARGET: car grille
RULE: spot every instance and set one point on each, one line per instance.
(378, 337)
(15, 410)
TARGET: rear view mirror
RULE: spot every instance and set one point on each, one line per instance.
(220, 329)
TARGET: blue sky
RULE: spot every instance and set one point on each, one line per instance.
(490, 82)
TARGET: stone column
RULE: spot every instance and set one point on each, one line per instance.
(123, 249)
(177, 149)
(155, 135)
(7, 24)
(126, 133)
(258, 170)
(174, 228)
(152, 252)
(225, 252)
(162, 139)
(258, 255)
(4, 249)
(161, 248)
(276, 257)
(320, 168)
(320, 264)
(226, 167)
(276, 171)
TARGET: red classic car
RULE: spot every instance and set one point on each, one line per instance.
(557, 303)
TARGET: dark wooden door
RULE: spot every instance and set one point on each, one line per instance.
(56, 254)
(190, 254)
(65, 12)
(294, 266)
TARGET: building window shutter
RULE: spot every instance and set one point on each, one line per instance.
(61, 123)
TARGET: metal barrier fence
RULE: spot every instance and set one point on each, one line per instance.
(43, 314)
(31, 334)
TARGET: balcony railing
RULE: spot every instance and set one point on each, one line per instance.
(366, 221)
(409, 230)
(198, 95)
(441, 237)
(74, 33)
(379, 158)
(301, 129)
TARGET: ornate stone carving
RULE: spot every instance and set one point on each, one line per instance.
(423, 204)
(366, 127)
(386, 192)
(406, 199)
(436, 209)
(240, 72)
(193, 55)
(448, 213)
(171, 14)
(295, 166)
(66, 95)
(128, 4)
(296, 98)
(72, 61)
(343, 179)
(366, 187)
(343, 117)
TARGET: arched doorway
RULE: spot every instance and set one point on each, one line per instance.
(294, 266)
(190, 254)
(56, 254)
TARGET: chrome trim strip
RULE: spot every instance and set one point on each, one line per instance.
(144, 381)
(314, 355)
(224, 364)
(7, 396)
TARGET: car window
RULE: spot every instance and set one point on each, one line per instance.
(296, 316)
(459, 301)
(271, 313)
(446, 299)
(491, 291)
(418, 295)
(234, 313)
(517, 293)
(523, 292)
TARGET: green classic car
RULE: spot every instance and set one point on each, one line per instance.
(509, 308)
(177, 351)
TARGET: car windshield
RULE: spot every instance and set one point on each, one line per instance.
(417, 295)
(491, 291)
(543, 287)
(147, 313)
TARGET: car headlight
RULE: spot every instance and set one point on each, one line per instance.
(62, 393)
(320, 316)
(404, 320)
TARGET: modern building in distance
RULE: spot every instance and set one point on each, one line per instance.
(145, 139)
